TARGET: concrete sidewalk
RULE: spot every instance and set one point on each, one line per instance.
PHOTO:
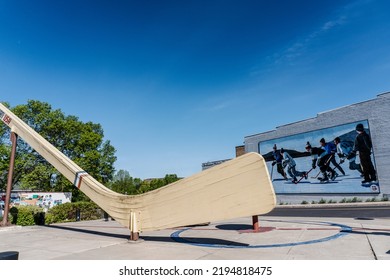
(279, 238)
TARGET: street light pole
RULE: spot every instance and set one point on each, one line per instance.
(14, 138)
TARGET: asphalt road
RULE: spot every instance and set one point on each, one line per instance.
(358, 211)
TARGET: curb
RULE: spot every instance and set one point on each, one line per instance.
(334, 205)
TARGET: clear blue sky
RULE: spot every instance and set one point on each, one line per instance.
(178, 83)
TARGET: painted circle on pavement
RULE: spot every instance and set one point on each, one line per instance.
(343, 230)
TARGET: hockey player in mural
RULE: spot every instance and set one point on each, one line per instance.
(335, 166)
(322, 158)
(344, 151)
(289, 162)
(331, 149)
(278, 159)
(363, 146)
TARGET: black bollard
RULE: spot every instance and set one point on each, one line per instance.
(78, 215)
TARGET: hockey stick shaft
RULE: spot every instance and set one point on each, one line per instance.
(304, 176)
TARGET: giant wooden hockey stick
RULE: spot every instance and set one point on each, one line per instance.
(237, 188)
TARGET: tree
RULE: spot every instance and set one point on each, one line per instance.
(160, 182)
(125, 184)
(81, 142)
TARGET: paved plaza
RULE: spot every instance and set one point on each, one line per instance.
(279, 238)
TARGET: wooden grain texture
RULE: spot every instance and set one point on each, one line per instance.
(237, 188)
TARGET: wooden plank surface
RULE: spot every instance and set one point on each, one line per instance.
(236, 188)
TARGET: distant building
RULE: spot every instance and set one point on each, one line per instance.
(240, 150)
(42, 199)
(210, 164)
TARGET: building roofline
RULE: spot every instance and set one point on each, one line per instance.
(381, 95)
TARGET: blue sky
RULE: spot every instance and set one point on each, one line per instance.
(178, 83)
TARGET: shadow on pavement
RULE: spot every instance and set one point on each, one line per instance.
(192, 240)
(234, 227)
(88, 231)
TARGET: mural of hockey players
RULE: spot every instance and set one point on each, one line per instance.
(321, 159)
(278, 161)
(303, 158)
(363, 145)
(289, 162)
(331, 149)
(343, 151)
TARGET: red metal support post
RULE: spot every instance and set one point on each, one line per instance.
(255, 223)
(14, 138)
(134, 236)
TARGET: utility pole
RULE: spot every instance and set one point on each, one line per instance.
(14, 138)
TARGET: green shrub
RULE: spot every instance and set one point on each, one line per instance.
(355, 199)
(27, 215)
(67, 212)
(88, 210)
(60, 213)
